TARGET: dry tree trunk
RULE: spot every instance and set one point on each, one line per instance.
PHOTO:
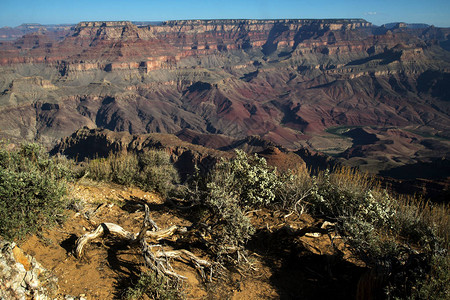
(157, 261)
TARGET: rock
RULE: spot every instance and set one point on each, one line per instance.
(22, 277)
(285, 81)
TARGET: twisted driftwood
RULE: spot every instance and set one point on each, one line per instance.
(157, 261)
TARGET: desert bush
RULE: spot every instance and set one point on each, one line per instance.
(293, 189)
(98, 169)
(232, 188)
(369, 244)
(345, 194)
(249, 178)
(436, 284)
(32, 189)
(229, 228)
(155, 287)
(117, 168)
(124, 169)
(151, 170)
(402, 237)
(157, 172)
(423, 224)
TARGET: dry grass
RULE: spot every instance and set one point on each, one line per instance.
(416, 213)
(151, 170)
(347, 177)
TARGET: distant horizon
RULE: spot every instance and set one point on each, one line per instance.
(209, 19)
(14, 13)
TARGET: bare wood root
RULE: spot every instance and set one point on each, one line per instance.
(296, 209)
(161, 266)
(111, 228)
(157, 261)
(164, 233)
(119, 232)
(185, 255)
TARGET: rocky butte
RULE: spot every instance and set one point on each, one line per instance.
(376, 97)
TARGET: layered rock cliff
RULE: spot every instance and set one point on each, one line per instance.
(285, 80)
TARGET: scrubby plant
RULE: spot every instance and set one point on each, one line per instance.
(436, 284)
(229, 228)
(422, 223)
(249, 178)
(157, 172)
(124, 169)
(293, 189)
(154, 287)
(32, 189)
(150, 170)
(341, 196)
(98, 169)
(231, 189)
(401, 238)
(368, 243)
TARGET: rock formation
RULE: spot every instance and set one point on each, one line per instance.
(22, 277)
(286, 81)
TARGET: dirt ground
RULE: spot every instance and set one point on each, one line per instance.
(282, 266)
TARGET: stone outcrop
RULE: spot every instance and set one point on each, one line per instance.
(22, 277)
(182, 39)
(286, 81)
(91, 143)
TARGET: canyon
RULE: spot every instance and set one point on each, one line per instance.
(374, 97)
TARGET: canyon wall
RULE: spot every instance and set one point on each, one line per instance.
(287, 81)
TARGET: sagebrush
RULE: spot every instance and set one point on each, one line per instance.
(151, 170)
(32, 189)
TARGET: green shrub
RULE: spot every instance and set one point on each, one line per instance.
(151, 170)
(155, 287)
(293, 190)
(339, 199)
(412, 228)
(402, 238)
(436, 285)
(230, 229)
(124, 169)
(32, 187)
(232, 188)
(99, 169)
(249, 178)
(157, 172)
(369, 244)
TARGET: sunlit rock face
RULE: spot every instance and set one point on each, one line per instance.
(287, 81)
(22, 277)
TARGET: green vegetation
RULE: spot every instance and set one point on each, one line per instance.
(405, 240)
(340, 130)
(427, 134)
(151, 170)
(32, 189)
(155, 287)
(402, 237)
(248, 178)
(231, 189)
(435, 284)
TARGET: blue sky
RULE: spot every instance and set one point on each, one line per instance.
(16, 12)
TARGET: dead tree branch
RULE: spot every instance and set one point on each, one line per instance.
(157, 261)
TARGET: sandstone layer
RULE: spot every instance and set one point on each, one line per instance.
(297, 83)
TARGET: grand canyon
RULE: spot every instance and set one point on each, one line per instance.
(374, 97)
(306, 95)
